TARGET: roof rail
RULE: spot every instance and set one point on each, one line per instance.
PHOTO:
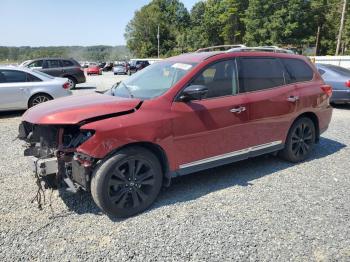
(219, 48)
(273, 49)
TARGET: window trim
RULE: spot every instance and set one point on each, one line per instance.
(177, 96)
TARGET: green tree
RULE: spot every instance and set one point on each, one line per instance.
(141, 32)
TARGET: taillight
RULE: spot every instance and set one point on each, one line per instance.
(347, 83)
(327, 89)
(66, 85)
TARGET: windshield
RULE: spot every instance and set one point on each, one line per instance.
(152, 81)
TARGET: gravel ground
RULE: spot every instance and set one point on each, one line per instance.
(263, 209)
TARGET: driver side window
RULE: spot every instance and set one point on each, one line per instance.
(220, 79)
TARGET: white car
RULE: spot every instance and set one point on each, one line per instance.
(21, 88)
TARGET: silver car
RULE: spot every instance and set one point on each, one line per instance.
(120, 69)
(339, 78)
(21, 88)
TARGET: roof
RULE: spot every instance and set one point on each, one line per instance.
(199, 57)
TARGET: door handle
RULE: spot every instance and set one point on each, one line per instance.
(238, 110)
(21, 88)
(293, 99)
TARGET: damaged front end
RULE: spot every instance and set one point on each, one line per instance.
(53, 155)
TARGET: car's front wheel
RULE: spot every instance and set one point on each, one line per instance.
(300, 140)
(127, 183)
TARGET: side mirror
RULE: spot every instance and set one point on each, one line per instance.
(193, 92)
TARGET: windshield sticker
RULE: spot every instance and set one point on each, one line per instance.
(181, 66)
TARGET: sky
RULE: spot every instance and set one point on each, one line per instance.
(67, 22)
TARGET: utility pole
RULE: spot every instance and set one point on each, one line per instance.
(158, 36)
(341, 28)
(317, 40)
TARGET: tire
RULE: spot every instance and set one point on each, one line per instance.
(72, 82)
(38, 99)
(300, 140)
(120, 193)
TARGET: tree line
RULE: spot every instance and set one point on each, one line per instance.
(80, 53)
(298, 24)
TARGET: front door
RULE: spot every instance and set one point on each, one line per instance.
(212, 129)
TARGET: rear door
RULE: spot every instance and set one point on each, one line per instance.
(52, 67)
(272, 100)
(13, 89)
(210, 130)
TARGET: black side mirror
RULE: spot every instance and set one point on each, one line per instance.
(193, 92)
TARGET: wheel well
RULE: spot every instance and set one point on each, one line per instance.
(158, 152)
(314, 119)
(72, 77)
(41, 93)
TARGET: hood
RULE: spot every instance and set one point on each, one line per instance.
(76, 108)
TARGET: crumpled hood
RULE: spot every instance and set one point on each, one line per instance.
(77, 108)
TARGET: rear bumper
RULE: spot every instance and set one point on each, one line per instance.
(80, 78)
(340, 96)
(324, 118)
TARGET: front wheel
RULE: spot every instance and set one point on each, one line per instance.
(127, 183)
(300, 141)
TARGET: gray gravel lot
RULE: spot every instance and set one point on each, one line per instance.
(263, 209)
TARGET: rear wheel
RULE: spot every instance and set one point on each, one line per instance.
(300, 141)
(72, 82)
(127, 183)
(38, 99)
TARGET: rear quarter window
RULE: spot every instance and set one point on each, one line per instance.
(67, 63)
(298, 70)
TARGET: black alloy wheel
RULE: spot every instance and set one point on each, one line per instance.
(127, 183)
(300, 141)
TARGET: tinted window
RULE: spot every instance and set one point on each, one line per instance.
(220, 78)
(67, 63)
(38, 63)
(31, 78)
(53, 63)
(260, 73)
(338, 69)
(297, 70)
(12, 76)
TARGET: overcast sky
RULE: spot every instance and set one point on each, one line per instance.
(67, 22)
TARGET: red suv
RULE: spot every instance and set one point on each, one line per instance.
(182, 115)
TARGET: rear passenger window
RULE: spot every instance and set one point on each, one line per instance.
(53, 63)
(220, 78)
(67, 63)
(258, 73)
(298, 70)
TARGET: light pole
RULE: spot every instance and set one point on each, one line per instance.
(158, 36)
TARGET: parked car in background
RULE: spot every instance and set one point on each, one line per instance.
(93, 69)
(21, 88)
(182, 115)
(137, 65)
(339, 78)
(102, 64)
(120, 68)
(59, 67)
(108, 67)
